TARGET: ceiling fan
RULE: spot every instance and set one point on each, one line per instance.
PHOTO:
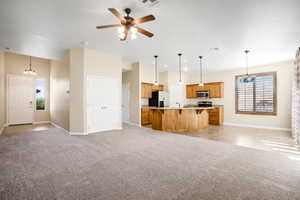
(129, 24)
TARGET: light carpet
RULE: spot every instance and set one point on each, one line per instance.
(140, 164)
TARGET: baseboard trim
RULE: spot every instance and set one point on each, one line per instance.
(255, 126)
(77, 133)
(1, 130)
(133, 124)
(57, 126)
(42, 122)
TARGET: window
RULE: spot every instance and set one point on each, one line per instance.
(40, 95)
(256, 94)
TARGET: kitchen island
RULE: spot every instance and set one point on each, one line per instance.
(179, 119)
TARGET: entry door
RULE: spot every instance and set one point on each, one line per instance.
(125, 102)
(103, 104)
(20, 97)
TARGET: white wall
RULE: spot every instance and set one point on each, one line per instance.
(59, 91)
(83, 63)
(284, 85)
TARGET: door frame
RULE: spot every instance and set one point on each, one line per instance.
(7, 97)
(128, 113)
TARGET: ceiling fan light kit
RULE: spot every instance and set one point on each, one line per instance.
(129, 25)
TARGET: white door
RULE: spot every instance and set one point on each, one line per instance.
(125, 101)
(103, 104)
(20, 97)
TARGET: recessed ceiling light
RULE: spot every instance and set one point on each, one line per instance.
(7, 48)
(185, 69)
(165, 65)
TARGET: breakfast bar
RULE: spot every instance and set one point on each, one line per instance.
(180, 119)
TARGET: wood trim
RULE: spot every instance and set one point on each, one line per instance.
(274, 74)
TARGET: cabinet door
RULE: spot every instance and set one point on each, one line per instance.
(149, 90)
(190, 90)
(146, 90)
(145, 116)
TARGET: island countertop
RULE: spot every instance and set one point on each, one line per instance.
(177, 108)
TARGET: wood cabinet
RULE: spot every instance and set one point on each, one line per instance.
(216, 90)
(216, 116)
(147, 89)
(191, 91)
(147, 116)
(157, 88)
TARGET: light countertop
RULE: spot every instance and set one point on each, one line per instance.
(177, 108)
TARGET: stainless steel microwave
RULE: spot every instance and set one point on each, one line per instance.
(203, 94)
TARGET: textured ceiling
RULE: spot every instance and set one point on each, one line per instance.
(269, 28)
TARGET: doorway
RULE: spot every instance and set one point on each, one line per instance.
(20, 99)
(125, 102)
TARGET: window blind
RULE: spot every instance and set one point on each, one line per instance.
(256, 93)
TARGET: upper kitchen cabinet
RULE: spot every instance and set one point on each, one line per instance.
(216, 90)
(191, 91)
(157, 88)
(147, 89)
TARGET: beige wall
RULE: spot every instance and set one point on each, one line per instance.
(2, 92)
(15, 64)
(284, 85)
(77, 92)
(132, 77)
(59, 91)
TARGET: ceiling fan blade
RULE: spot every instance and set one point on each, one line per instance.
(117, 14)
(144, 32)
(144, 19)
(109, 26)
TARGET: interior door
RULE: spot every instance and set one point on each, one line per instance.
(20, 98)
(103, 104)
(125, 101)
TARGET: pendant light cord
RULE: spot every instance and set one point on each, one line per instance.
(155, 57)
(246, 52)
(201, 74)
(180, 66)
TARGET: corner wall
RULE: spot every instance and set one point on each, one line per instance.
(2, 92)
(59, 91)
(133, 78)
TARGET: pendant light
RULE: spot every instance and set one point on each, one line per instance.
(180, 75)
(30, 71)
(247, 79)
(201, 84)
(156, 81)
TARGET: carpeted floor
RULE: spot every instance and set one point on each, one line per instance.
(140, 164)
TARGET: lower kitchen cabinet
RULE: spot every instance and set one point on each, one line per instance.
(147, 116)
(216, 116)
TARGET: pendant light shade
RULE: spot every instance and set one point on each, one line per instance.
(201, 84)
(180, 72)
(156, 81)
(30, 71)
